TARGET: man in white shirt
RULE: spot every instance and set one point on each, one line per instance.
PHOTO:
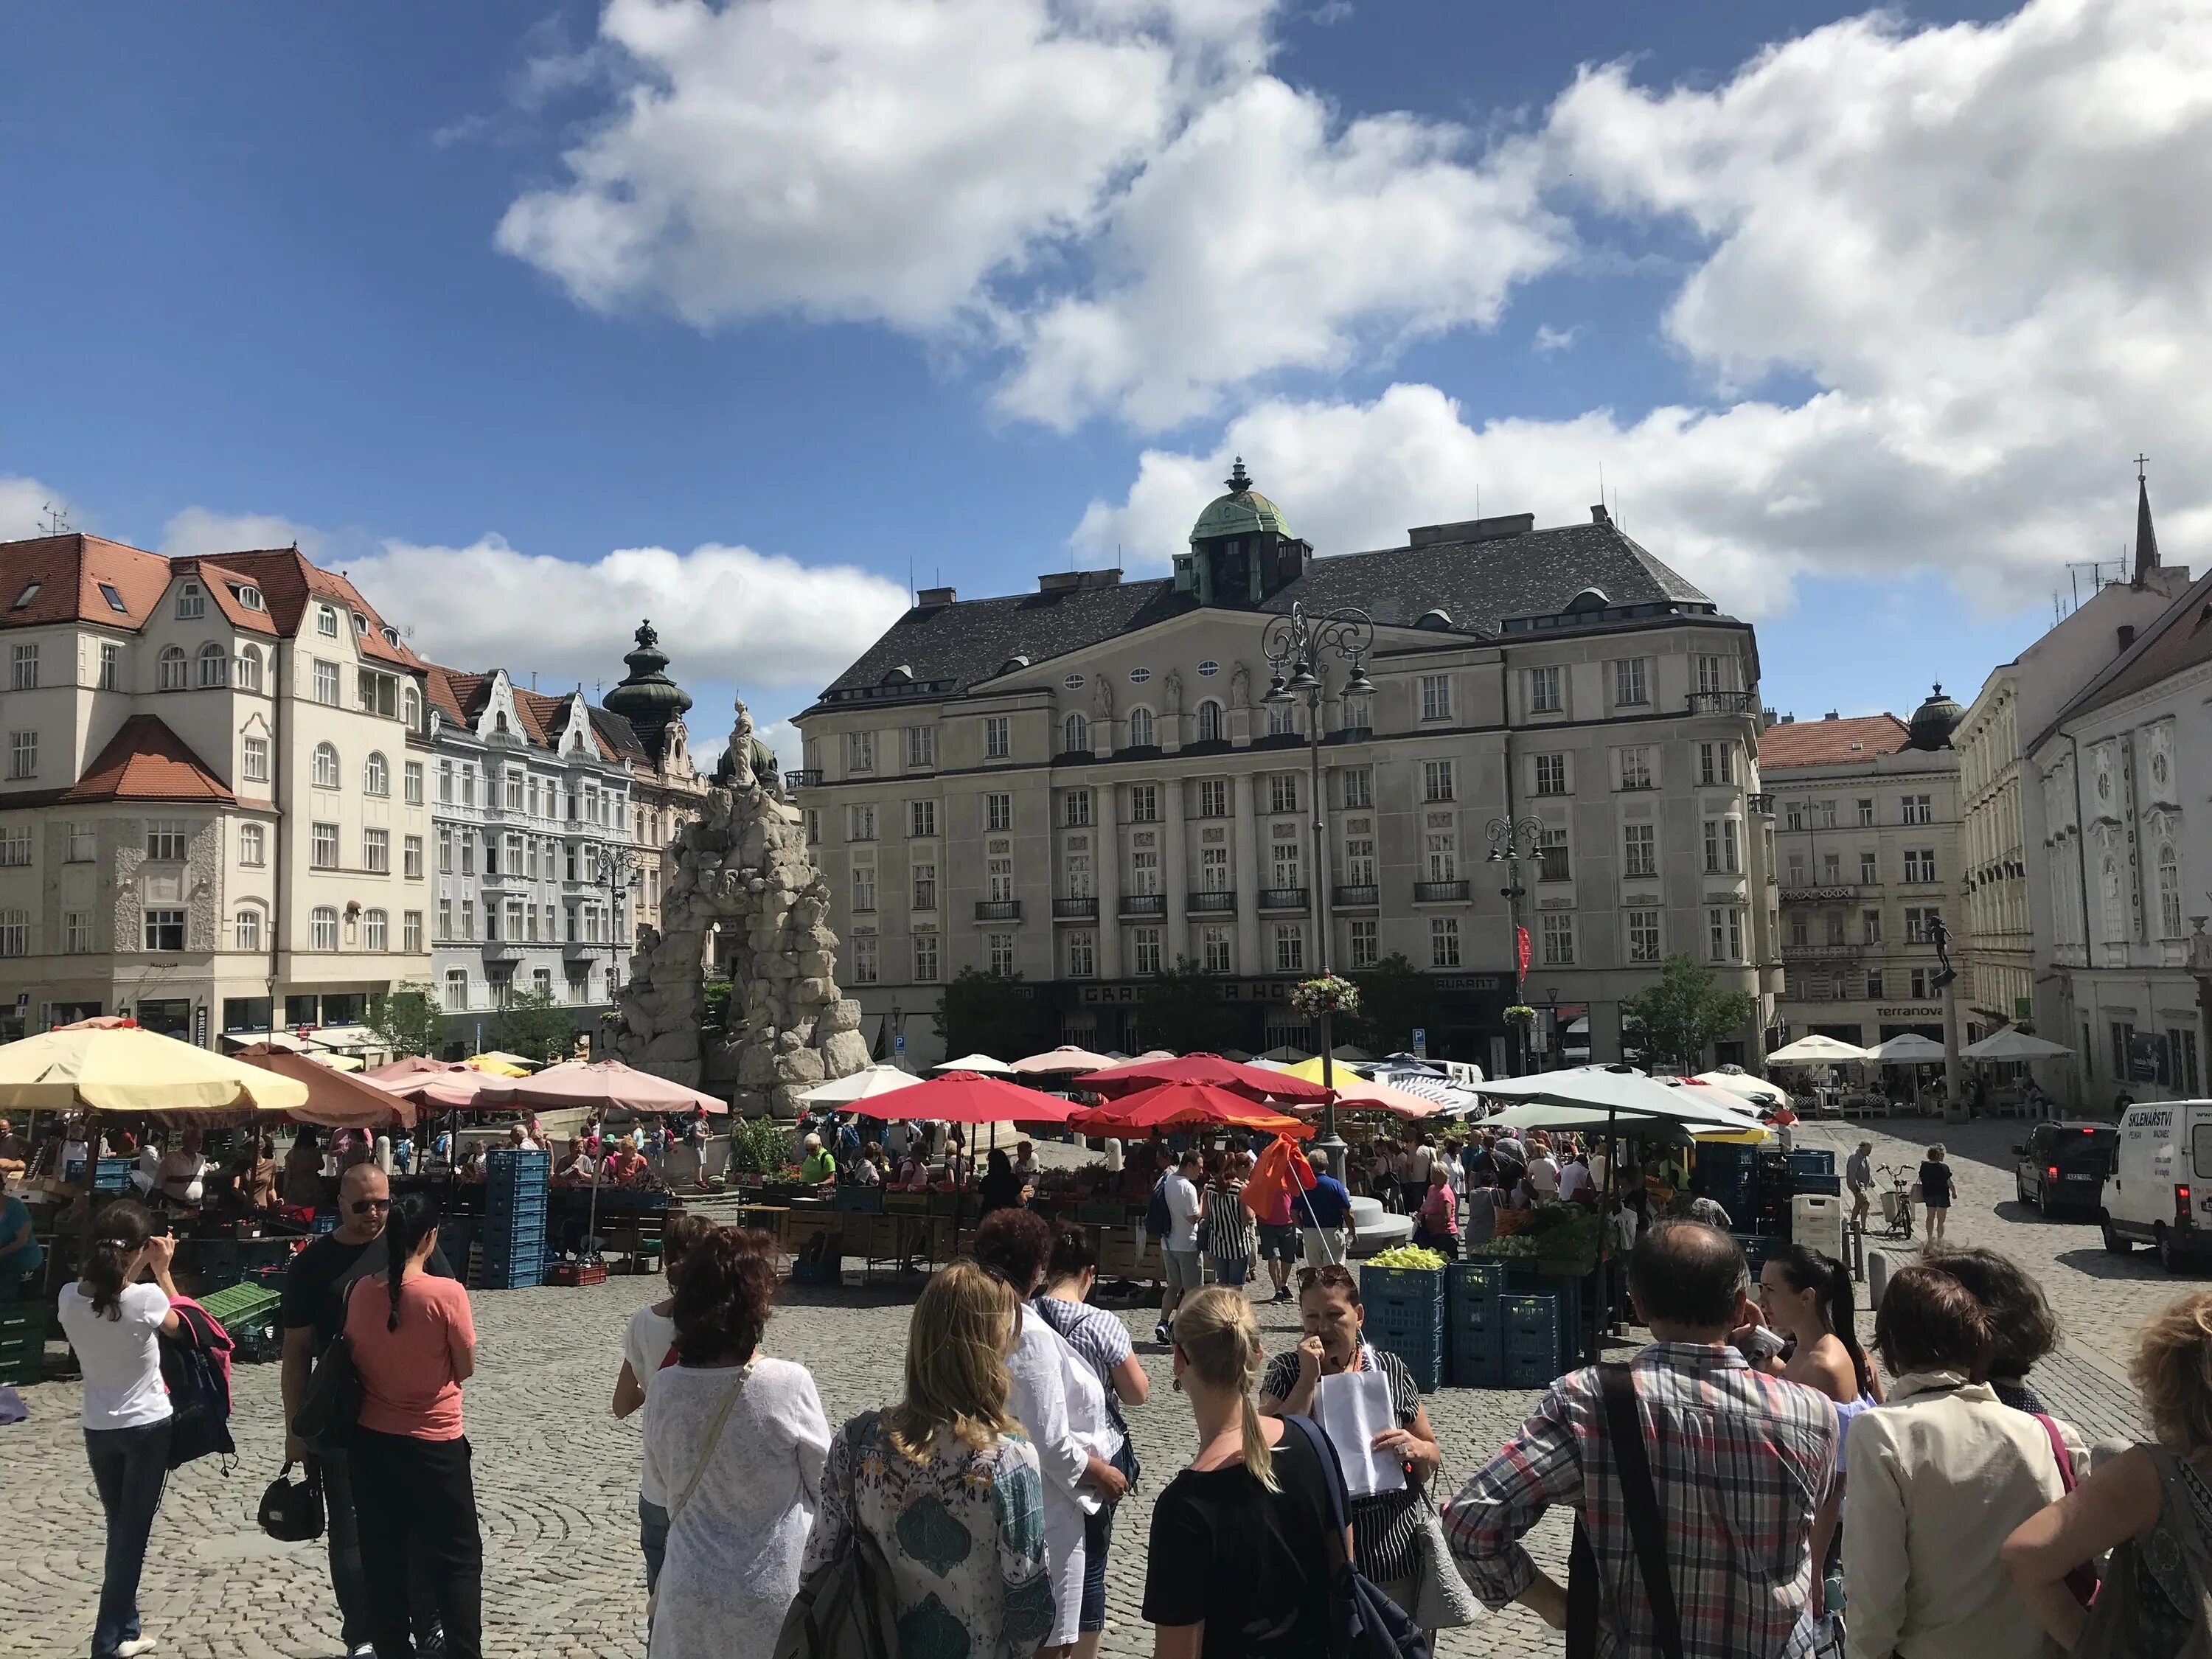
(1179, 1249)
(1574, 1180)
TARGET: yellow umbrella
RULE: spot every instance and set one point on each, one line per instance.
(499, 1065)
(126, 1069)
(1308, 1071)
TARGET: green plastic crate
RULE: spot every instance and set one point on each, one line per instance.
(243, 1307)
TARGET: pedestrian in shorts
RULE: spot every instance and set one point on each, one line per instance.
(1279, 1244)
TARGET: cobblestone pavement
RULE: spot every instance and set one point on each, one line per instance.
(556, 1483)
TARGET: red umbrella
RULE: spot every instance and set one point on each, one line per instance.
(1185, 1106)
(970, 1098)
(1254, 1081)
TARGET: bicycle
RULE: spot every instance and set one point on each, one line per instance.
(1897, 1202)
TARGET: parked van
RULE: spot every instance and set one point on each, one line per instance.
(2160, 1192)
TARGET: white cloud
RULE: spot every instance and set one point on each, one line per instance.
(196, 532)
(24, 506)
(1964, 241)
(1549, 339)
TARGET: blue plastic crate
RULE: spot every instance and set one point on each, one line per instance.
(1831, 1185)
(1473, 1281)
(1530, 1315)
(113, 1175)
(1530, 1370)
(1477, 1365)
(858, 1200)
(505, 1160)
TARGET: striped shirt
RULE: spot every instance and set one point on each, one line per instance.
(1741, 1462)
(1383, 1526)
(1228, 1223)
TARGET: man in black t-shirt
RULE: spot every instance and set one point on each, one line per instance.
(314, 1314)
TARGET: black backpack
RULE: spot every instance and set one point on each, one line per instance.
(1157, 1222)
(195, 1367)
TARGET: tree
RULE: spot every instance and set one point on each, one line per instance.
(408, 1019)
(1683, 1013)
(535, 1026)
(993, 1014)
(1396, 999)
(1182, 1010)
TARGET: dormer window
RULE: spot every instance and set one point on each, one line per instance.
(392, 638)
(192, 602)
(248, 597)
(360, 624)
(114, 599)
(326, 622)
(23, 600)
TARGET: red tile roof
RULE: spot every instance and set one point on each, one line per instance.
(1830, 742)
(461, 697)
(68, 570)
(146, 761)
(288, 581)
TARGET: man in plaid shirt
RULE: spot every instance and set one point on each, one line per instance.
(1741, 1463)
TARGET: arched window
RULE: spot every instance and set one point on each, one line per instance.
(2169, 893)
(1141, 728)
(376, 776)
(1078, 735)
(215, 665)
(376, 928)
(249, 930)
(1282, 718)
(249, 668)
(410, 707)
(175, 673)
(326, 766)
(1209, 722)
(323, 928)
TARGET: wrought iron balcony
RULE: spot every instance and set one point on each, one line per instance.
(1821, 952)
(1440, 892)
(1762, 804)
(1282, 898)
(1144, 904)
(805, 778)
(998, 909)
(1723, 703)
(1213, 903)
(1075, 909)
(1834, 894)
(1358, 897)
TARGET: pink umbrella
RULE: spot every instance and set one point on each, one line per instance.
(1065, 1058)
(441, 1083)
(608, 1083)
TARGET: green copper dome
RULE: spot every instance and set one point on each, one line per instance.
(1243, 511)
(648, 698)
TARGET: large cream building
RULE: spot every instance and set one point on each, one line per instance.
(1866, 847)
(213, 815)
(1084, 784)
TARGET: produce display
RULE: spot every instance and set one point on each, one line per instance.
(1407, 1255)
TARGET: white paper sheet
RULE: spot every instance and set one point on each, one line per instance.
(1353, 1407)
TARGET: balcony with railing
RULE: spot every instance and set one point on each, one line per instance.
(1723, 703)
(1213, 901)
(1832, 893)
(1357, 896)
(1144, 904)
(998, 909)
(1761, 803)
(1440, 892)
(1075, 909)
(805, 778)
(1821, 952)
(1282, 898)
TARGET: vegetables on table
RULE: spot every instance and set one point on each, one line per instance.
(1407, 1255)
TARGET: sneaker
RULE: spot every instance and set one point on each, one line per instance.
(362, 1650)
(137, 1645)
(1160, 1334)
(1282, 1295)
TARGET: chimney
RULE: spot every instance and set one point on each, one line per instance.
(1832, 715)
(2127, 636)
(1767, 719)
(935, 599)
(1599, 515)
(1789, 719)
(1497, 528)
(1070, 582)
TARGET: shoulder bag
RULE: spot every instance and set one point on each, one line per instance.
(1369, 1624)
(330, 1408)
(2114, 1627)
(713, 1438)
(846, 1608)
(1624, 1433)
(2083, 1581)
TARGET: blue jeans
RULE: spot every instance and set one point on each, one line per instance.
(652, 1539)
(129, 1466)
(1232, 1270)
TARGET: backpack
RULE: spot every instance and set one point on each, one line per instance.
(846, 1608)
(1157, 1221)
(196, 1368)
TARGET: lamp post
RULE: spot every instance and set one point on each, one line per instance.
(1512, 840)
(1298, 647)
(619, 873)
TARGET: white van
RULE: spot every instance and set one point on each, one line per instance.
(2160, 1191)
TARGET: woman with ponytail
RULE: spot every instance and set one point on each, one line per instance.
(1806, 1296)
(1241, 1559)
(414, 1342)
(112, 1320)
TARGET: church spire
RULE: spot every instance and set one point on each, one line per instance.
(2145, 535)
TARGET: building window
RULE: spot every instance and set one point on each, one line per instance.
(920, 746)
(111, 666)
(1920, 864)
(925, 958)
(326, 622)
(1629, 688)
(1544, 692)
(1075, 870)
(1869, 870)
(1559, 938)
(323, 848)
(515, 794)
(376, 851)
(1866, 811)
(411, 932)
(1639, 850)
(174, 673)
(1144, 870)
(1144, 803)
(1437, 780)
(1213, 798)
(413, 776)
(83, 843)
(325, 766)
(256, 762)
(1215, 954)
(1552, 864)
(252, 845)
(1288, 868)
(23, 754)
(1283, 793)
(1141, 732)
(1873, 985)
(1721, 854)
(1209, 722)
(859, 751)
(165, 841)
(1711, 674)
(192, 602)
(1078, 808)
(1635, 767)
(1075, 736)
(457, 990)
(1282, 720)
(1869, 927)
(998, 870)
(1824, 812)
(376, 928)
(1715, 762)
(1644, 936)
(999, 949)
(1725, 934)
(998, 739)
(1550, 775)
(1082, 953)
(76, 932)
(16, 846)
(1919, 809)
(1290, 948)
(214, 666)
(864, 887)
(15, 931)
(165, 929)
(998, 812)
(246, 672)
(376, 775)
(1440, 847)
(866, 957)
(2169, 894)
(469, 920)
(924, 886)
(1359, 852)
(1435, 697)
(1145, 951)
(1213, 869)
(27, 667)
(1359, 788)
(921, 817)
(1793, 815)
(1443, 941)
(326, 682)
(860, 823)
(1920, 924)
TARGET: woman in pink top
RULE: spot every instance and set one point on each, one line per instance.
(1438, 1227)
(414, 1343)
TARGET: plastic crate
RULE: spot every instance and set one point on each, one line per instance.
(517, 1160)
(1529, 1325)
(25, 1372)
(825, 1270)
(1831, 1186)
(1475, 1366)
(1530, 1370)
(858, 1200)
(243, 1308)
(19, 1316)
(1425, 1360)
(113, 1175)
(1812, 1161)
(1468, 1282)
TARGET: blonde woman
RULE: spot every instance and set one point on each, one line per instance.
(1241, 1560)
(946, 1483)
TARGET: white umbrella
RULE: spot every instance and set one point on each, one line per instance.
(865, 1083)
(982, 1064)
(1906, 1049)
(1815, 1050)
(1065, 1058)
(2014, 1044)
(1623, 1089)
(1742, 1083)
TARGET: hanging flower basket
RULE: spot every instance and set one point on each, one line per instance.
(1522, 1014)
(1331, 994)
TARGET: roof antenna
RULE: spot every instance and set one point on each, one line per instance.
(1117, 555)
(58, 522)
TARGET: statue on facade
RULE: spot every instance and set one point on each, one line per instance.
(1102, 698)
(1240, 687)
(1172, 690)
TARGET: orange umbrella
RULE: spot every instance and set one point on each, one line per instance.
(1256, 1081)
(1185, 1106)
(337, 1100)
(971, 1097)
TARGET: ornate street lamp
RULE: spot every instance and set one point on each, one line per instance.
(617, 872)
(1298, 647)
(1512, 840)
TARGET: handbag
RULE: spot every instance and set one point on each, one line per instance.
(330, 1410)
(2083, 1581)
(1625, 1434)
(713, 1438)
(846, 1608)
(1369, 1624)
(2115, 1629)
(1443, 1600)
(292, 1511)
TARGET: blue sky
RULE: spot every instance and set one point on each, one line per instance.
(454, 292)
